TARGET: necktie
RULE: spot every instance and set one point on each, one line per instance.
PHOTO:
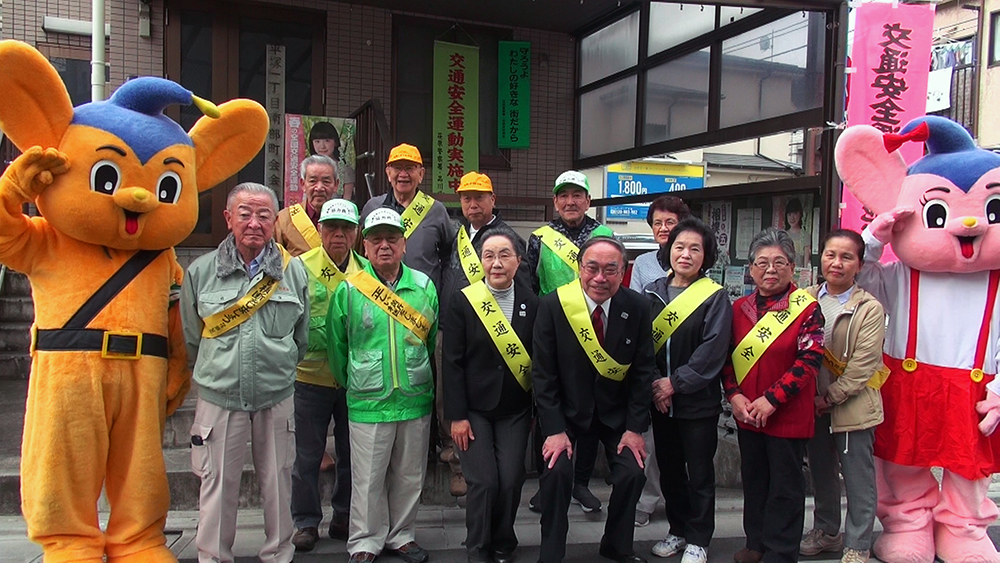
(598, 319)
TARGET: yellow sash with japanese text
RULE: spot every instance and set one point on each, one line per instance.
(238, 313)
(558, 243)
(471, 265)
(415, 212)
(766, 331)
(323, 269)
(504, 338)
(678, 310)
(575, 308)
(304, 225)
(391, 303)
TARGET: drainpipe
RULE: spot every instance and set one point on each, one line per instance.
(98, 70)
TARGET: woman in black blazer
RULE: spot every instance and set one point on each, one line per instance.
(490, 407)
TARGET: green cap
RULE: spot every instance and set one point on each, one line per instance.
(572, 178)
(339, 210)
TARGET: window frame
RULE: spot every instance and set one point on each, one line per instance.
(994, 50)
(714, 134)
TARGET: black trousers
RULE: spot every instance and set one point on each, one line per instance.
(627, 480)
(685, 452)
(494, 470)
(773, 494)
(586, 458)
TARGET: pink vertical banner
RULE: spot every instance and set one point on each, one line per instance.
(888, 88)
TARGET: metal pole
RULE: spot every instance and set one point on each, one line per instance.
(98, 70)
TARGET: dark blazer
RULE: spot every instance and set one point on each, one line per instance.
(475, 375)
(568, 390)
(698, 350)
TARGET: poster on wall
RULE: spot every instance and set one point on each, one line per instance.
(455, 125)
(306, 135)
(718, 215)
(514, 94)
(887, 88)
(747, 226)
(794, 214)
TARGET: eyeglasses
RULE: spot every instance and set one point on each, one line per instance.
(610, 270)
(777, 264)
(408, 168)
(490, 257)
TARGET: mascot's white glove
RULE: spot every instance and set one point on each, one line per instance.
(990, 409)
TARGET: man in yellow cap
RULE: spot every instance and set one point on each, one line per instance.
(428, 229)
(479, 218)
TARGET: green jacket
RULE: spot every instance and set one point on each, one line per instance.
(550, 271)
(252, 366)
(314, 368)
(385, 368)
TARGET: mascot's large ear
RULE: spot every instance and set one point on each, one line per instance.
(226, 144)
(873, 175)
(36, 108)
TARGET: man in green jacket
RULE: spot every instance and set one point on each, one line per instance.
(318, 397)
(382, 328)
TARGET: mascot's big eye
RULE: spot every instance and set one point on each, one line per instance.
(935, 214)
(993, 210)
(168, 187)
(105, 177)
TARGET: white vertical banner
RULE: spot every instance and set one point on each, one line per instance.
(274, 98)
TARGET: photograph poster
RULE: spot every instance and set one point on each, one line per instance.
(794, 214)
(306, 135)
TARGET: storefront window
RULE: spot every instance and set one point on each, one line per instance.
(612, 49)
(607, 117)
(773, 70)
(664, 31)
(677, 98)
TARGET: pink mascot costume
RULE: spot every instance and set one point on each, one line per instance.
(942, 216)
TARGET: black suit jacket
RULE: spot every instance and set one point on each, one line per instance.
(569, 392)
(475, 374)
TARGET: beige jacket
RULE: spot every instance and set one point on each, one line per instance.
(287, 235)
(857, 339)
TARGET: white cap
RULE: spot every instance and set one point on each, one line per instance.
(383, 216)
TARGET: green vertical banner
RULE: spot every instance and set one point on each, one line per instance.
(456, 114)
(514, 97)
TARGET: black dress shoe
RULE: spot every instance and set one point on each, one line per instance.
(607, 553)
(503, 557)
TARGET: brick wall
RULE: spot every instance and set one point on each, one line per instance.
(358, 67)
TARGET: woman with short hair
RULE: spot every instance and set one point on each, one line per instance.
(486, 385)
(770, 380)
(691, 331)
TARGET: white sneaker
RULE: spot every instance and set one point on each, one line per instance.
(670, 545)
(694, 554)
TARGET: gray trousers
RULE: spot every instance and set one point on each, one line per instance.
(851, 453)
(388, 465)
(218, 461)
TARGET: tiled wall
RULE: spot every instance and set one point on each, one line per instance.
(358, 67)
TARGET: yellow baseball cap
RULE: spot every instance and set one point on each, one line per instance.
(405, 152)
(475, 182)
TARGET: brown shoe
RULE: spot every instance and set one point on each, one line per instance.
(458, 486)
(340, 527)
(305, 539)
(447, 454)
(327, 464)
(747, 555)
(362, 557)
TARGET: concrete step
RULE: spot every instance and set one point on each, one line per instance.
(17, 309)
(15, 283)
(15, 337)
(185, 486)
(15, 365)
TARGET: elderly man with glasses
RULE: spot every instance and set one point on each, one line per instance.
(593, 371)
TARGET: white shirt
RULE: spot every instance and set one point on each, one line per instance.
(472, 232)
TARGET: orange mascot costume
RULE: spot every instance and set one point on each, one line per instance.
(117, 185)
